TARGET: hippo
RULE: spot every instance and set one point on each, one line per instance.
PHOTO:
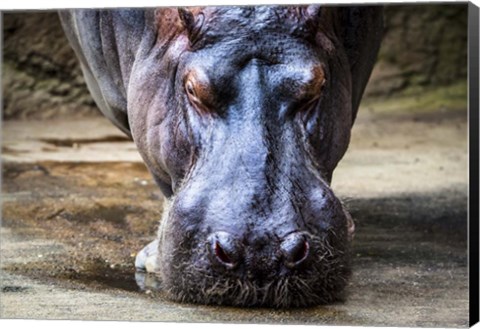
(241, 114)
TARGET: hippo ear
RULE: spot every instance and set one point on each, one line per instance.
(311, 15)
(187, 18)
(192, 23)
(360, 31)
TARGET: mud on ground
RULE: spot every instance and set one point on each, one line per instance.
(77, 204)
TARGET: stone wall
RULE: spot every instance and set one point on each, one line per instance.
(40, 74)
(424, 46)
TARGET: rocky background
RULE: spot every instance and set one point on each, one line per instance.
(425, 46)
(41, 77)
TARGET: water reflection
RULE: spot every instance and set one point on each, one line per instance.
(148, 281)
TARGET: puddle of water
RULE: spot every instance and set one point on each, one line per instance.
(96, 275)
(108, 278)
(148, 281)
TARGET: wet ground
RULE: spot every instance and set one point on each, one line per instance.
(77, 204)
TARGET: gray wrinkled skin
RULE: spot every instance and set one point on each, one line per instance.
(241, 114)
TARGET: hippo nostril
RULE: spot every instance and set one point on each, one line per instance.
(225, 249)
(221, 254)
(295, 248)
(300, 252)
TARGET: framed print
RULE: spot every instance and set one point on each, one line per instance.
(258, 163)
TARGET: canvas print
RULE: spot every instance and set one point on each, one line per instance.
(303, 164)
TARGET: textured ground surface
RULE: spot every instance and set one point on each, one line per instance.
(78, 204)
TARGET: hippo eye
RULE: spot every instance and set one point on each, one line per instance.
(308, 105)
(189, 88)
(192, 94)
(198, 95)
(315, 94)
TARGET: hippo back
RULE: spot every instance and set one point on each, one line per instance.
(105, 42)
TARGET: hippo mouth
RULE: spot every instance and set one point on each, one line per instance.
(322, 283)
(205, 272)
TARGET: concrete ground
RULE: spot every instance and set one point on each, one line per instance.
(78, 204)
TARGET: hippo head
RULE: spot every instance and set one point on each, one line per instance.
(241, 115)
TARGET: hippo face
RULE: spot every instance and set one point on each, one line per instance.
(241, 114)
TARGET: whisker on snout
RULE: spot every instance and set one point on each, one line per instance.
(320, 283)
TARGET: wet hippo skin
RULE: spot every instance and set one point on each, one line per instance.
(241, 115)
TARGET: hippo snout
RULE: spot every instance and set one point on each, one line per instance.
(273, 257)
(243, 256)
